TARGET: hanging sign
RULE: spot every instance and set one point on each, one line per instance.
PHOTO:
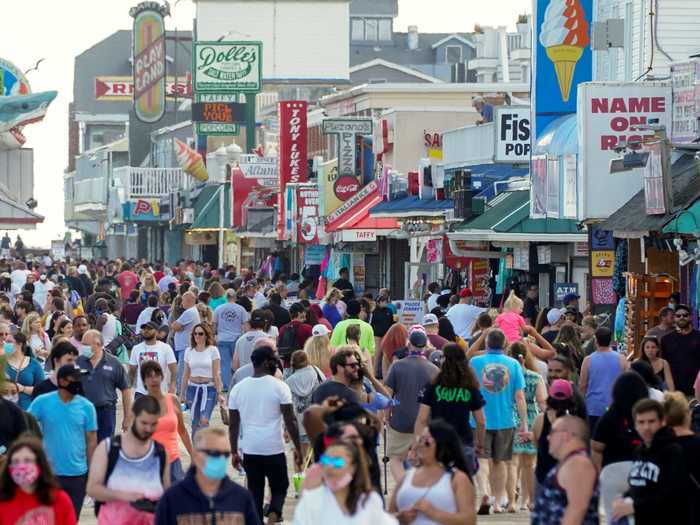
(512, 134)
(217, 128)
(292, 156)
(148, 44)
(308, 220)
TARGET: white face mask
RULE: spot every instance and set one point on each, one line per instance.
(12, 398)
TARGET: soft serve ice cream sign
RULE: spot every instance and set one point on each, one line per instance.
(562, 57)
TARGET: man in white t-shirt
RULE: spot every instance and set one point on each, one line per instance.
(183, 331)
(463, 315)
(106, 321)
(154, 350)
(19, 275)
(260, 404)
(41, 289)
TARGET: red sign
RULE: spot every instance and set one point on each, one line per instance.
(307, 210)
(292, 149)
(345, 187)
(121, 89)
(250, 193)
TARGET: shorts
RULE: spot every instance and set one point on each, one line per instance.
(498, 444)
(397, 443)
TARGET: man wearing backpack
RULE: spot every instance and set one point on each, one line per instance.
(294, 334)
(129, 472)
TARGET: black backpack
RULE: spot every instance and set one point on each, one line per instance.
(115, 446)
(287, 343)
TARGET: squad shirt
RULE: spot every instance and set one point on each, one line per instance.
(454, 405)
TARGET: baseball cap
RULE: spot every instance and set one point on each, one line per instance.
(554, 315)
(571, 297)
(436, 357)
(82, 269)
(149, 324)
(73, 371)
(465, 292)
(262, 354)
(257, 316)
(418, 339)
(561, 389)
(42, 277)
(430, 319)
(320, 329)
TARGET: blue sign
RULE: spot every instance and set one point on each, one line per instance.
(142, 210)
(563, 58)
(561, 290)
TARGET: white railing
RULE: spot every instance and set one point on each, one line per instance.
(151, 182)
(90, 191)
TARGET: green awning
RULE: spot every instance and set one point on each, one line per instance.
(508, 219)
(206, 208)
(687, 221)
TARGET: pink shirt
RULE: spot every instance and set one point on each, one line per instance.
(510, 323)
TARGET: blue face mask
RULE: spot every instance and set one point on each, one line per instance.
(86, 350)
(8, 347)
(215, 467)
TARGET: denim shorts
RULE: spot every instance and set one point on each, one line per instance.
(201, 400)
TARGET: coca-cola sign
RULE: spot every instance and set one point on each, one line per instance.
(345, 187)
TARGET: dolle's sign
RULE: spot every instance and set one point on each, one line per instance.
(227, 67)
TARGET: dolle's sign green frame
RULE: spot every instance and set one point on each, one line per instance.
(227, 67)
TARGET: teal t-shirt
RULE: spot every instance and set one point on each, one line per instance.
(500, 378)
(64, 426)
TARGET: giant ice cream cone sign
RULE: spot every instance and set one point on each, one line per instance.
(191, 161)
(564, 35)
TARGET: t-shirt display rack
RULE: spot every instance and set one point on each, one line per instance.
(646, 295)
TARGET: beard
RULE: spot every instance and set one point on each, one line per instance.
(141, 437)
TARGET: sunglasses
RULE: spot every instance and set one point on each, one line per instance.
(199, 333)
(352, 365)
(330, 461)
(426, 441)
(682, 315)
(215, 453)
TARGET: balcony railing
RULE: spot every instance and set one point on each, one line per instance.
(142, 183)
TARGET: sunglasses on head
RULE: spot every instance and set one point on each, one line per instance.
(215, 453)
(330, 461)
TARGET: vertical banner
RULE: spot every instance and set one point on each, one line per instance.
(148, 53)
(308, 216)
(292, 150)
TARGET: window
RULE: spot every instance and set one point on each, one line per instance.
(453, 54)
(358, 29)
(371, 29)
(385, 29)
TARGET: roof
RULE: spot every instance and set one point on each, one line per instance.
(453, 36)
(412, 206)
(385, 63)
(559, 138)
(396, 50)
(206, 208)
(508, 218)
(14, 215)
(632, 216)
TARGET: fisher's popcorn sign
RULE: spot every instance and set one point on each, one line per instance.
(148, 44)
(227, 67)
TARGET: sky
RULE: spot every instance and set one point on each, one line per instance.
(58, 31)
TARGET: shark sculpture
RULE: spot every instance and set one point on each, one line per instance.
(18, 111)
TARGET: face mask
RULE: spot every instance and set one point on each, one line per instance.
(8, 347)
(336, 484)
(12, 398)
(25, 475)
(215, 467)
(75, 388)
(86, 350)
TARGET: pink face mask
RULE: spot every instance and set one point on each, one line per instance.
(336, 484)
(25, 474)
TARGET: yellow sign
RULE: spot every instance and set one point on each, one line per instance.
(602, 263)
(326, 179)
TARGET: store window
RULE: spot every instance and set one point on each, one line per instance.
(385, 29)
(358, 29)
(371, 29)
(453, 54)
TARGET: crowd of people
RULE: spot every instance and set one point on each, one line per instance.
(472, 411)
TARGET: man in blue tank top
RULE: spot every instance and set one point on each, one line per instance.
(599, 372)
